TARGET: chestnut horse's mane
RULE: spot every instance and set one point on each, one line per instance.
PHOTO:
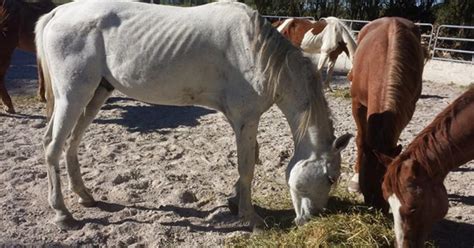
(405, 60)
(3, 17)
(433, 148)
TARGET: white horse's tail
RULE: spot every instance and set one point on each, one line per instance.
(285, 25)
(347, 37)
(43, 66)
(350, 42)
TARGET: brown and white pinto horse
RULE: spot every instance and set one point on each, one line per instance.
(413, 184)
(328, 36)
(17, 22)
(386, 84)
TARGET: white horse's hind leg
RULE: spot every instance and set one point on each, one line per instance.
(76, 184)
(68, 108)
(55, 197)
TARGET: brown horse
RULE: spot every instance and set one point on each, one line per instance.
(413, 184)
(17, 22)
(386, 84)
(329, 37)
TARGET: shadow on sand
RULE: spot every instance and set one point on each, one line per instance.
(447, 234)
(150, 118)
(467, 200)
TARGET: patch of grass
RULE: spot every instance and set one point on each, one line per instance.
(25, 99)
(345, 224)
(466, 87)
(341, 93)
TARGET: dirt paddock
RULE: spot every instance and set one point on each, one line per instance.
(162, 174)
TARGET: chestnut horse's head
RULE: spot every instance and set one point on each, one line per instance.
(416, 200)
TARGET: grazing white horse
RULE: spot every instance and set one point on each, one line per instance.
(221, 55)
(328, 37)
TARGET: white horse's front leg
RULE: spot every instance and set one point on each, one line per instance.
(246, 135)
(296, 199)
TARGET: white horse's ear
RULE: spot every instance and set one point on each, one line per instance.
(340, 143)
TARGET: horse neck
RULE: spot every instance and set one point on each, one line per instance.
(438, 152)
(317, 137)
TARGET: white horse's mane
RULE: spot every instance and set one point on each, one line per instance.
(277, 55)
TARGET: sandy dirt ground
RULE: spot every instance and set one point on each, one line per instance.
(162, 174)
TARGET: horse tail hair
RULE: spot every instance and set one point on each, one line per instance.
(43, 66)
(347, 36)
(286, 24)
(348, 39)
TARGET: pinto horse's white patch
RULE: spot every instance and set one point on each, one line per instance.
(397, 220)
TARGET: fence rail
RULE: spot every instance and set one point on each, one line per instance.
(279, 18)
(427, 35)
(432, 39)
(439, 39)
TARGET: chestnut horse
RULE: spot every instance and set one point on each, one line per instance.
(413, 184)
(328, 36)
(17, 22)
(386, 84)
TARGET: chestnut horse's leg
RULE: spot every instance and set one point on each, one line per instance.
(76, 184)
(360, 116)
(5, 58)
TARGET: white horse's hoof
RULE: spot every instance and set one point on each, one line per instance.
(299, 221)
(353, 185)
(88, 203)
(67, 222)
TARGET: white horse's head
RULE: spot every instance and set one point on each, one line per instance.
(310, 180)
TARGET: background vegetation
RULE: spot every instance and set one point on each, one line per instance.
(457, 12)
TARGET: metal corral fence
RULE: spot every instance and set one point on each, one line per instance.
(439, 39)
(433, 41)
(425, 28)
(279, 18)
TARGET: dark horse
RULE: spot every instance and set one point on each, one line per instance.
(17, 22)
(413, 184)
(386, 84)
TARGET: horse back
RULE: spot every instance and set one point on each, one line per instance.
(161, 54)
(297, 29)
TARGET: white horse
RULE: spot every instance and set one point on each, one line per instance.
(221, 55)
(328, 37)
